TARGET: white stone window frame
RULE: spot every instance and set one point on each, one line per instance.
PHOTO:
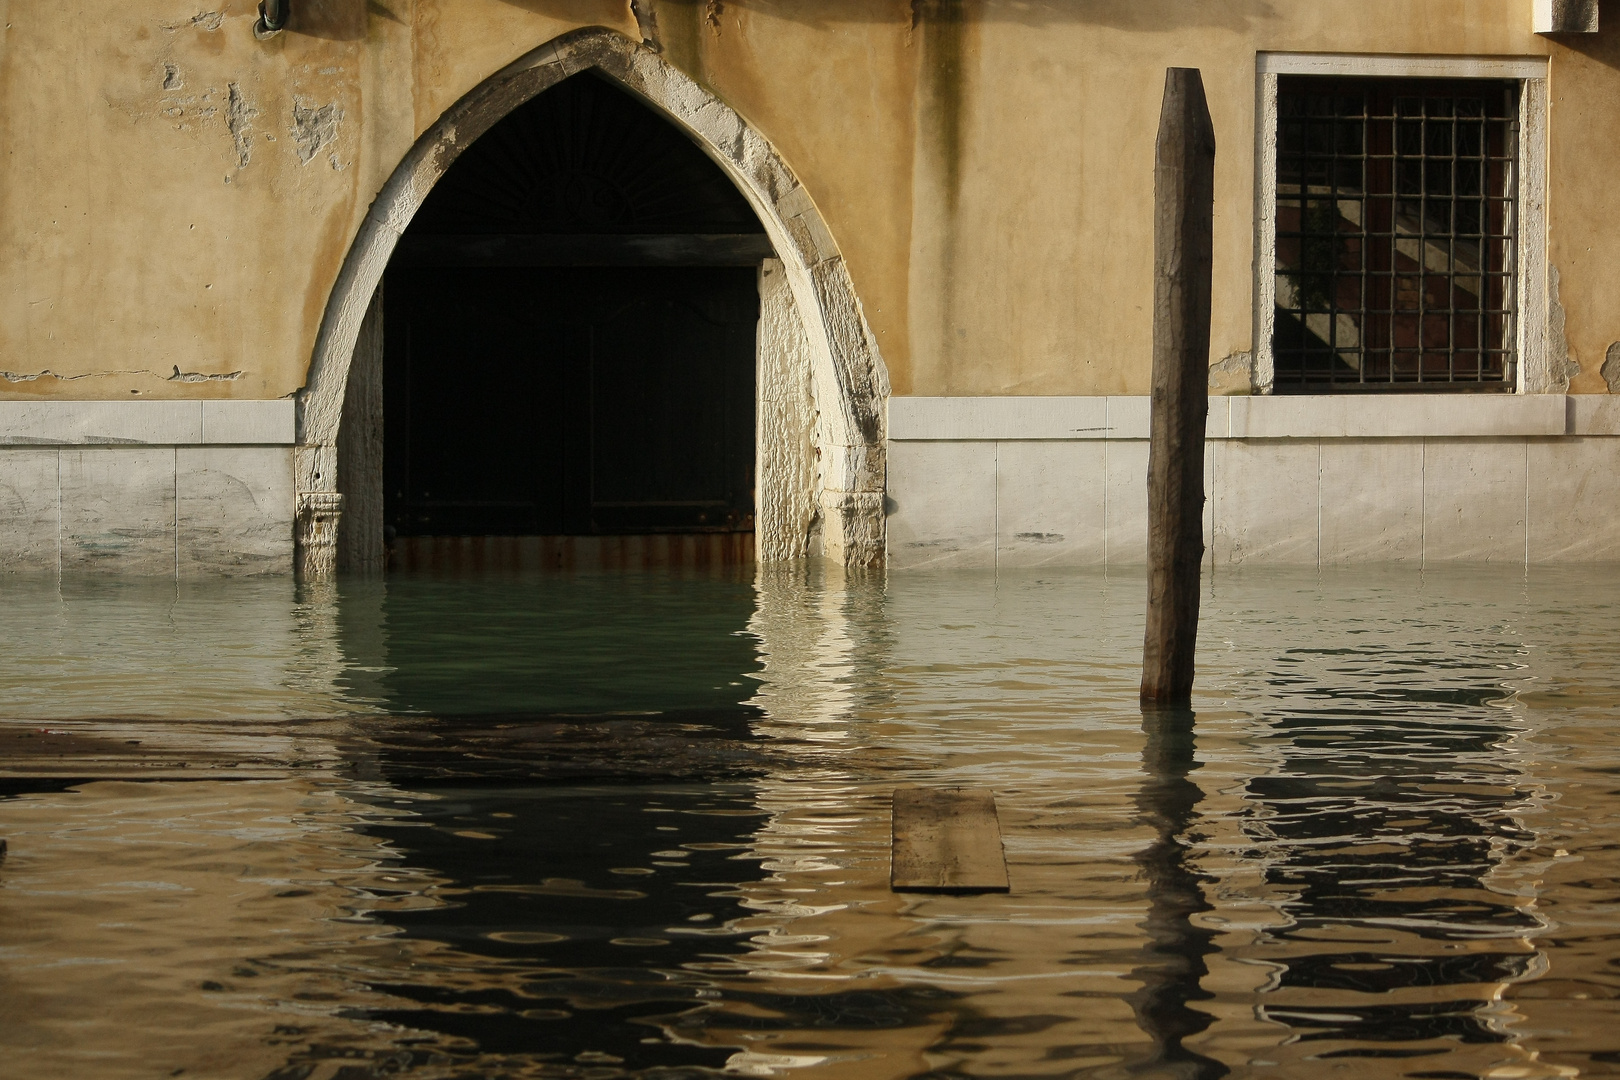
(1538, 371)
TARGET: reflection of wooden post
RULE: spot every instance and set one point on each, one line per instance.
(1171, 972)
(1183, 253)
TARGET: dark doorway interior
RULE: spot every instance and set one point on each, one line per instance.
(570, 401)
(570, 333)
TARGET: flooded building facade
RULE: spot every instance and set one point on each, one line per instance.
(573, 280)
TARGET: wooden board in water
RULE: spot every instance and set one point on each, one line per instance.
(946, 840)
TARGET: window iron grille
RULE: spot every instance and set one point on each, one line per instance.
(1396, 218)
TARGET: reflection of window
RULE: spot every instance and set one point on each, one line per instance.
(1396, 223)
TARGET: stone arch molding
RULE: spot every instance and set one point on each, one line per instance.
(841, 513)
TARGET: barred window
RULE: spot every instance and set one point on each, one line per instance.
(1396, 245)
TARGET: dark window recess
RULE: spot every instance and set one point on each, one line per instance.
(1396, 247)
(542, 401)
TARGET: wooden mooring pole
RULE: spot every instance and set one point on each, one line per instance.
(1183, 253)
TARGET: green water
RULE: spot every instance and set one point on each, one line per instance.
(1388, 844)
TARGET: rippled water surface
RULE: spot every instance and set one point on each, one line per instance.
(597, 826)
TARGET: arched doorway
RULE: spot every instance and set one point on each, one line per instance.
(570, 341)
(819, 453)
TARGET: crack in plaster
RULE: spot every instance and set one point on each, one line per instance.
(201, 376)
(178, 376)
(206, 21)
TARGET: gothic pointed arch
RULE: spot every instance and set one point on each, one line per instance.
(849, 383)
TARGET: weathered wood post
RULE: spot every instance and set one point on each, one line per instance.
(1183, 253)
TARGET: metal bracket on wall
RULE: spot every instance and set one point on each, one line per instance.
(273, 16)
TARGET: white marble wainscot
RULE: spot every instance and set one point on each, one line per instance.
(1574, 511)
(1266, 502)
(1371, 500)
(170, 488)
(1417, 480)
(1056, 512)
(1125, 516)
(233, 509)
(30, 510)
(942, 503)
(1475, 498)
(118, 510)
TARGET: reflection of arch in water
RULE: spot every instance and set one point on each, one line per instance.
(846, 377)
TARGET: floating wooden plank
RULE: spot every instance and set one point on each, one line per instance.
(946, 840)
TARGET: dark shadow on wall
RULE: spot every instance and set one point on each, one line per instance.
(347, 20)
(335, 20)
(1603, 46)
(1154, 15)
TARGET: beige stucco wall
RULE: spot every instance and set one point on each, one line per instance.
(176, 197)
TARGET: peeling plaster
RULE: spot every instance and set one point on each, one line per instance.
(179, 108)
(47, 373)
(177, 376)
(1562, 364)
(315, 127)
(206, 21)
(1233, 374)
(647, 24)
(1611, 368)
(238, 120)
(198, 376)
